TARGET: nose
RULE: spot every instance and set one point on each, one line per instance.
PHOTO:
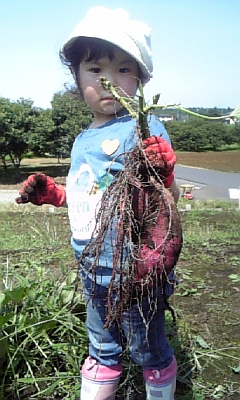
(111, 77)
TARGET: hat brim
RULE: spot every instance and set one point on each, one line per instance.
(123, 41)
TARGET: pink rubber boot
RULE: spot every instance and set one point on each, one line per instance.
(99, 382)
(161, 384)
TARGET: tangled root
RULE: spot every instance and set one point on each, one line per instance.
(139, 219)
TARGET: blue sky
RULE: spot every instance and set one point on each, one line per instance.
(195, 44)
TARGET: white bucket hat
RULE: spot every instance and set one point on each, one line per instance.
(115, 26)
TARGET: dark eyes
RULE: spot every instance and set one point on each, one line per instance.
(95, 70)
(123, 70)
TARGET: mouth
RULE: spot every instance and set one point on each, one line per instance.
(108, 99)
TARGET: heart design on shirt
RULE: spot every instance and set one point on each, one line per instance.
(110, 147)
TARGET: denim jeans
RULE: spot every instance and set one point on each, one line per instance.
(140, 330)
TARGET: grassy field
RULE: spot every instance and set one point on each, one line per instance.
(43, 343)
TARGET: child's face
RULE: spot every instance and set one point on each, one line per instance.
(122, 72)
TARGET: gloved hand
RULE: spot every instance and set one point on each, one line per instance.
(161, 156)
(41, 189)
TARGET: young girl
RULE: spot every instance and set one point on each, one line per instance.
(108, 44)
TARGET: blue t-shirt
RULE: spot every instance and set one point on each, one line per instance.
(97, 155)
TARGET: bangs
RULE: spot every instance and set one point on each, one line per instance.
(87, 49)
(99, 49)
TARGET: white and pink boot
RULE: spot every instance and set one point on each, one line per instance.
(99, 382)
(161, 384)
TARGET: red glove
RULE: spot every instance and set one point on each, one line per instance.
(161, 156)
(41, 189)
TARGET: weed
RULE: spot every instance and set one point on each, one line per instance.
(42, 344)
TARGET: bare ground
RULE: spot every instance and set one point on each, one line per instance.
(225, 161)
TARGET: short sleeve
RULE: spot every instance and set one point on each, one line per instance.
(157, 128)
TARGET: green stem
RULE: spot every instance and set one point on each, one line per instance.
(129, 103)
(124, 101)
(200, 115)
(140, 110)
(142, 118)
(178, 107)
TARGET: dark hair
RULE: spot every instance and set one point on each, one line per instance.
(87, 49)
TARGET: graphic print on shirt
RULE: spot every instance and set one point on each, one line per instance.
(84, 194)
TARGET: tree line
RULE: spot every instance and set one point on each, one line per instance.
(25, 129)
(200, 135)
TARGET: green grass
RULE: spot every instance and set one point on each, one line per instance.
(43, 344)
(232, 147)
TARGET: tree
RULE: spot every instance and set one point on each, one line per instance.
(16, 121)
(187, 136)
(215, 132)
(70, 116)
(40, 139)
(232, 134)
(197, 135)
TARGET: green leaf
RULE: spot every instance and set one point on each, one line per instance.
(189, 292)
(236, 369)
(2, 298)
(67, 295)
(51, 388)
(15, 295)
(201, 342)
(234, 277)
(45, 325)
(71, 278)
(5, 318)
(186, 277)
(198, 396)
(156, 98)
